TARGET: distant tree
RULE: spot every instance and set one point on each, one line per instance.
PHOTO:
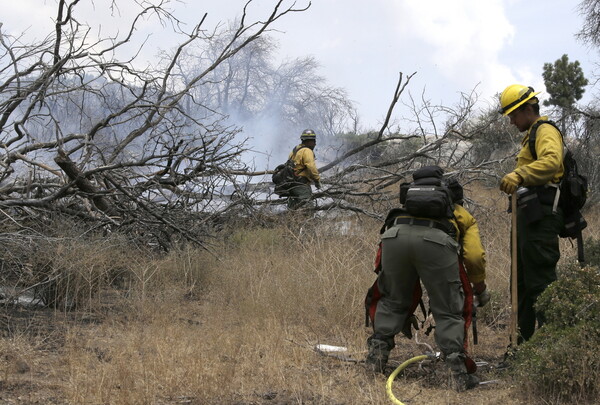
(565, 83)
(279, 100)
(590, 31)
(496, 137)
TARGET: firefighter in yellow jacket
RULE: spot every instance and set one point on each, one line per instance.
(535, 178)
(305, 170)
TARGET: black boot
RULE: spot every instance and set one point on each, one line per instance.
(460, 380)
(379, 352)
(507, 359)
(463, 381)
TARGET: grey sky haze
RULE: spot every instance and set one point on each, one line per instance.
(454, 46)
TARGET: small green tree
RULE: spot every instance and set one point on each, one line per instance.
(565, 83)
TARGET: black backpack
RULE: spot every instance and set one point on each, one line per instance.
(573, 191)
(428, 196)
(284, 176)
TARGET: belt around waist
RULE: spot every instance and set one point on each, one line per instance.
(546, 194)
(421, 222)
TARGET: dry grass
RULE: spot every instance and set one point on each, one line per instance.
(239, 327)
(70, 271)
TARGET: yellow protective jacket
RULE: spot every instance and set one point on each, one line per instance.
(548, 168)
(305, 163)
(473, 253)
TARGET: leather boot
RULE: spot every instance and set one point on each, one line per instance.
(460, 380)
(379, 352)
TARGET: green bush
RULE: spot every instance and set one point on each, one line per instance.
(592, 252)
(561, 363)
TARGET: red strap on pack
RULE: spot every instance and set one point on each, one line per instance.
(378, 259)
(467, 314)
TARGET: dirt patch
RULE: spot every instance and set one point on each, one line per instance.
(31, 353)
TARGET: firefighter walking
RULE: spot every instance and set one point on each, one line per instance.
(305, 170)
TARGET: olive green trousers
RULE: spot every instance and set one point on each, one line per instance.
(300, 195)
(409, 253)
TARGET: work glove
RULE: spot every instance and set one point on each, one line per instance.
(483, 298)
(410, 323)
(481, 293)
(318, 185)
(510, 182)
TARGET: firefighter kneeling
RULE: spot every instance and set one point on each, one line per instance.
(432, 239)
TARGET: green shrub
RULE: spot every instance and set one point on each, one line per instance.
(592, 252)
(561, 363)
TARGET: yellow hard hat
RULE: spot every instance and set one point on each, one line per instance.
(514, 96)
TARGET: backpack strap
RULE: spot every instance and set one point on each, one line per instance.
(533, 136)
(532, 139)
(296, 149)
(294, 152)
(291, 159)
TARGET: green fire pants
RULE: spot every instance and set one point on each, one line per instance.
(300, 194)
(410, 252)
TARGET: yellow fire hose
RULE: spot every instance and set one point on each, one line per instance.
(390, 380)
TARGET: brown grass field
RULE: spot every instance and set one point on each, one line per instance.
(238, 325)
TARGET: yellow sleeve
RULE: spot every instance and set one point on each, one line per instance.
(549, 164)
(306, 165)
(473, 253)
